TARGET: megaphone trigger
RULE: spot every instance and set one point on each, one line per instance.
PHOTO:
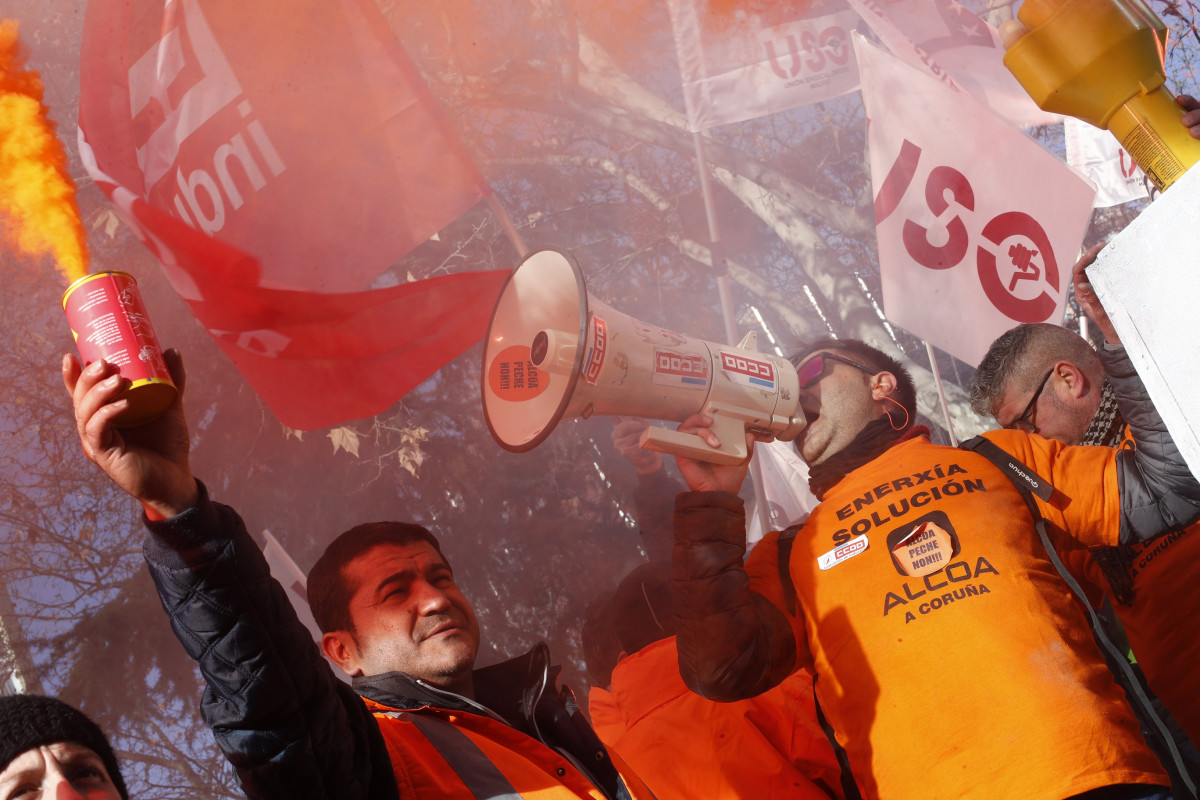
(729, 430)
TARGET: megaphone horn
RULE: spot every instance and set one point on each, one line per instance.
(553, 352)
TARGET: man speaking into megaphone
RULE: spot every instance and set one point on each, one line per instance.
(951, 658)
(553, 352)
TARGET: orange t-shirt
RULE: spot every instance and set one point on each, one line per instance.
(951, 658)
(686, 747)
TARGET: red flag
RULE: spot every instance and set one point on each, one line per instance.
(268, 152)
(315, 359)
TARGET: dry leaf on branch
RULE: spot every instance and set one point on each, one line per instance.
(344, 439)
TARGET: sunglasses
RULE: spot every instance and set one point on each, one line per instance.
(817, 367)
(1025, 422)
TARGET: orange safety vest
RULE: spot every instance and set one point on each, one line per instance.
(457, 755)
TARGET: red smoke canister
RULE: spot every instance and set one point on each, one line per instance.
(109, 322)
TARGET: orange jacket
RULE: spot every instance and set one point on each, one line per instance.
(1165, 605)
(457, 755)
(688, 748)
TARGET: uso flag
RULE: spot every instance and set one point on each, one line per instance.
(277, 157)
(758, 61)
(977, 225)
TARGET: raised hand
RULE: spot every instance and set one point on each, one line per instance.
(150, 461)
(1085, 295)
(627, 431)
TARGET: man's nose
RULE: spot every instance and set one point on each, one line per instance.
(430, 598)
(57, 787)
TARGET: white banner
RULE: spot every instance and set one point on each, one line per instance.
(785, 487)
(292, 579)
(977, 225)
(295, 585)
(1097, 156)
(754, 64)
(957, 47)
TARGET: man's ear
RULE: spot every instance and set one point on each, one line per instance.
(883, 384)
(340, 648)
(1072, 378)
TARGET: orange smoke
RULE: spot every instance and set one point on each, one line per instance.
(38, 212)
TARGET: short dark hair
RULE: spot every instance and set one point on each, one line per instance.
(876, 359)
(601, 645)
(328, 591)
(642, 607)
(638, 613)
(1023, 354)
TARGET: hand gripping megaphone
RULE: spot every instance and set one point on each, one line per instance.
(553, 352)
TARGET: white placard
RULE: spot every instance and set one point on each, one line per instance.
(1148, 281)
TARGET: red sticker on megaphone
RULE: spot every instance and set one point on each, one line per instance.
(512, 376)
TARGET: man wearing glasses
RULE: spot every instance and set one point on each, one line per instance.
(1151, 586)
(951, 659)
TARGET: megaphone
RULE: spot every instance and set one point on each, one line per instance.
(1102, 61)
(553, 352)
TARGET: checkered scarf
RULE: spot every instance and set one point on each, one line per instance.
(1107, 429)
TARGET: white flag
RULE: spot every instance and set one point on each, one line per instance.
(977, 225)
(957, 47)
(785, 489)
(293, 580)
(295, 584)
(1099, 157)
(738, 67)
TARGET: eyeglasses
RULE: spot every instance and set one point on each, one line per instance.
(817, 367)
(1025, 421)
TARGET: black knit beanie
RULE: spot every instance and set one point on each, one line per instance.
(28, 721)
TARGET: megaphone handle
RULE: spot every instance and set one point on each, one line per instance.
(730, 430)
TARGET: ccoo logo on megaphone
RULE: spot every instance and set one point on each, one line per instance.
(553, 352)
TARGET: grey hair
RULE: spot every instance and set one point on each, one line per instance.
(1020, 355)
